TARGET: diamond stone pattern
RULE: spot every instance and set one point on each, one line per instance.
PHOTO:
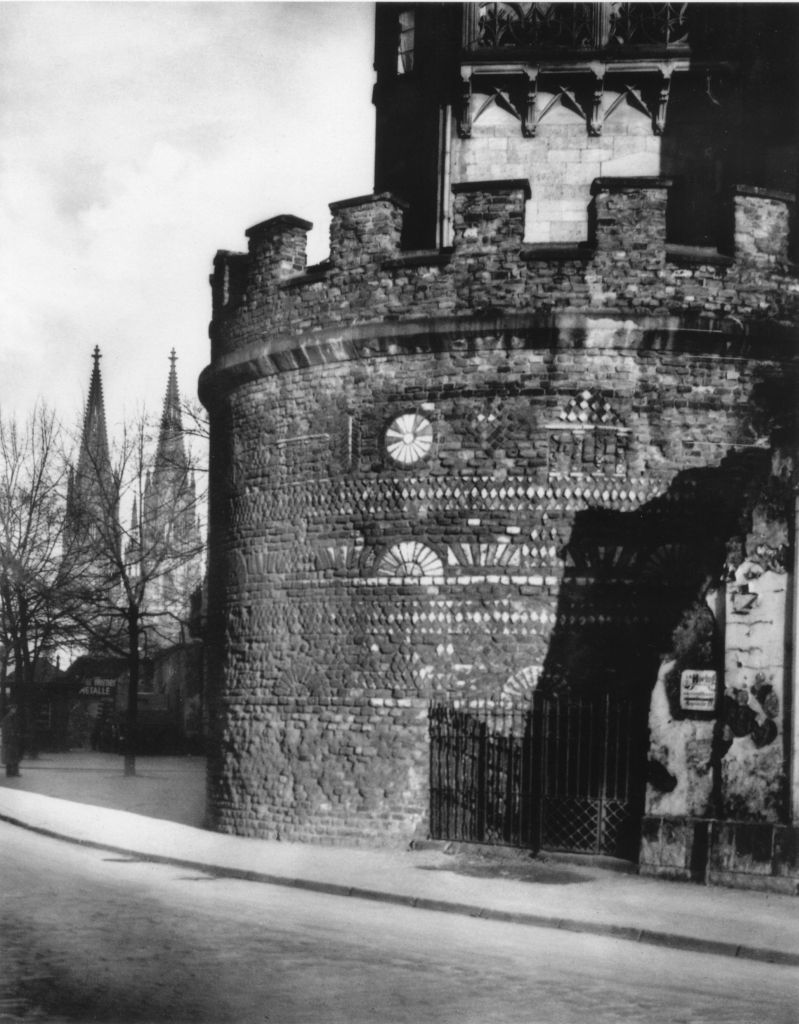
(590, 408)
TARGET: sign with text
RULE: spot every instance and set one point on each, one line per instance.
(698, 689)
(98, 688)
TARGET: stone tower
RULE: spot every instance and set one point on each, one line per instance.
(528, 430)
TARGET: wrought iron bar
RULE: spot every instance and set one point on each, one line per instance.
(622, 781)
(567, 718)
(556, 774)
(592, 752)
(603, 791)
(578, 753)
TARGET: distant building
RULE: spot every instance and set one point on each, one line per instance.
(164, 555)
(178, 687)
(502, 492)
(95, 689)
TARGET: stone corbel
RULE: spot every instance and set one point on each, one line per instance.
(597, 117)
(663, 100)
(530, 115)
(465, 112)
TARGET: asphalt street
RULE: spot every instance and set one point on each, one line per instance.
(90, 936)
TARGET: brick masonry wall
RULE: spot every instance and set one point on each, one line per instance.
(333, 652)
(587, 432)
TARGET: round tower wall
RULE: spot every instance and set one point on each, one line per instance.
(524, 527)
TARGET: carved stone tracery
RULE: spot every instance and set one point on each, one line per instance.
(578, 26)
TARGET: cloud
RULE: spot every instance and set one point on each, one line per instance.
(138, 139)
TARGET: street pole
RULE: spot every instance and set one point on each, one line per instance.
(133, 690)
(793, 717)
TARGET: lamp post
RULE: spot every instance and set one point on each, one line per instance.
(132, 616)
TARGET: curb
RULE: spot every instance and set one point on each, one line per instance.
(628, 933)
(581, 860)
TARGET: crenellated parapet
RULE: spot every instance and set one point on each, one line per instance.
(626, 266)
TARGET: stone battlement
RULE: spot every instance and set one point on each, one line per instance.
(627, 265)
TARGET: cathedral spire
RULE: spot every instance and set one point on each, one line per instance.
(92, 500)
(169, 536)
(171, 450)
(94, 440)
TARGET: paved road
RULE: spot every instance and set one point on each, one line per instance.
(89, 936)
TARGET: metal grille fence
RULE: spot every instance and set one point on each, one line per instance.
(563, 774)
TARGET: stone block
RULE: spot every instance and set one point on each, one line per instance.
(762, 221)
(277, 248)
(631, 214)
(365, 230)
(489, 213)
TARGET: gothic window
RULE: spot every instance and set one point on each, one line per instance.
(580, 26)
(409, 438)
(405, 43)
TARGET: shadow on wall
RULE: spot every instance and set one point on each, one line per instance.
(631, 577)
(635, 593)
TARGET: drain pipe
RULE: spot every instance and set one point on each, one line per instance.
(793, 691)
(444, 226)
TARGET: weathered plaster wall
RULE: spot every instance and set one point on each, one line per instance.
(753, 783)
(681, 748)
(736, 832)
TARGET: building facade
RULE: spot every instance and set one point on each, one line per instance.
(528, 430)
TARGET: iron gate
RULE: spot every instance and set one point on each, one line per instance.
(563, 774)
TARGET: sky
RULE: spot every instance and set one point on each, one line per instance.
(137, 139)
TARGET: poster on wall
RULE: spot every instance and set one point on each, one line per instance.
(698, 690)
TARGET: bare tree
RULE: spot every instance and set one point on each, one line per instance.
(34, 575)
(136, 579)
(195, 425)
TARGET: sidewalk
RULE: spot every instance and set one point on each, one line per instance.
(157, 815)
